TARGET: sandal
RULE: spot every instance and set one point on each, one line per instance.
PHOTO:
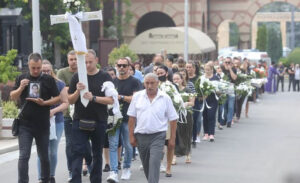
(174, 160)
(188, 159)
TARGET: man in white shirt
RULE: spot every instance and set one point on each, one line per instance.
(149, 113)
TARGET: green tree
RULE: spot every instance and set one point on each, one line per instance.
(234, 34)
(294, 56)
(7, 70)
(274, 45)
(121, 52)
(261, 41)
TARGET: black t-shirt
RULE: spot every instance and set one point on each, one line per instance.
(37, 116)
(227, 73)
(93, 111)
(291, 69)
(126, 87)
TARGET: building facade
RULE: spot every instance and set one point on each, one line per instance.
(205, 15)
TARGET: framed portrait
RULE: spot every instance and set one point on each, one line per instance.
(34, 90)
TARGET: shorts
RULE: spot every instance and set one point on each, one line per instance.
(106, 142)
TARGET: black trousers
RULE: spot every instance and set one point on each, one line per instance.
(25, 137)
(238, 106)
(292, 82)
(297, 85)
(209, 118)
(280, 79)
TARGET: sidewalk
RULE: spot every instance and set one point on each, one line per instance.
(8, 145)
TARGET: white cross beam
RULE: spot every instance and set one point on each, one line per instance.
(79, 41)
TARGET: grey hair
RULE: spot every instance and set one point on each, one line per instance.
(91, 51)
(151, 75)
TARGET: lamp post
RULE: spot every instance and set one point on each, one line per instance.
(36, 33)
(186, 30)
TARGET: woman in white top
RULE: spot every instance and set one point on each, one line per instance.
(297, 77)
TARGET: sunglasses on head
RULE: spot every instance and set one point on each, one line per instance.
(122, 65)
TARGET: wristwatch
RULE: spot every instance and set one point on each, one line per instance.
(122, 98)
(94, 99)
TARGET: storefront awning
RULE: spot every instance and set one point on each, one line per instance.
(171, 39)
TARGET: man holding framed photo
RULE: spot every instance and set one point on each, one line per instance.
(37, 92)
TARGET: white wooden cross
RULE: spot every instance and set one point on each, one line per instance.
(79, 41)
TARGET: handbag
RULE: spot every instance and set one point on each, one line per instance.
(17, 121)
(87, 125)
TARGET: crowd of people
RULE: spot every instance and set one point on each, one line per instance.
(151, 124)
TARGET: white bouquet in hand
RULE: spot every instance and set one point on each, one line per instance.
(176, 98)
(244, 89)
(204, 87)
(222, 86)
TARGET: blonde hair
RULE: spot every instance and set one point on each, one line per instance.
(47, 62)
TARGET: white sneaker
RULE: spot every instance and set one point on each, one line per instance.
(198, 140)
(126, 174)
(162, 168)
(113, 177)
(141, 168)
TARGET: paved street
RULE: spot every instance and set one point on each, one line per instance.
(264, 148)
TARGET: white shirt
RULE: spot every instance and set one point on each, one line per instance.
(151, 117)
(297, 74)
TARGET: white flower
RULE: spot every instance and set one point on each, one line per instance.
(72, 1)
(65, 1)
(177, 99)
(77, 3)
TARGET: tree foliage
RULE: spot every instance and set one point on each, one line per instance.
(294, 56)
(7, 70)
(234, 34)
(121, 52)
(261, 41)
(274, 45)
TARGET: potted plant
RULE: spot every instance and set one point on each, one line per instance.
(10, 112)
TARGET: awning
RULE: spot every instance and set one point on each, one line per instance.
(171, 39)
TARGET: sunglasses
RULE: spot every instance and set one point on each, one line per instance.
(227, 63)
(122, 65)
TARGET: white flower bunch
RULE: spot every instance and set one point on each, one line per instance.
(244, 89)
(171, 90)
(73, 5)
(205, 87)
(186, 96)
(258, 82)
(222, 86)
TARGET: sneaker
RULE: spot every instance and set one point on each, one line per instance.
(106, 168)
(126, 174)
(141, 168)
(136, 152)
(70, 177)
(113, 177)
(162, 168)
(198, 140)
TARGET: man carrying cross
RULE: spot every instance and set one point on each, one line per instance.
(89, 122)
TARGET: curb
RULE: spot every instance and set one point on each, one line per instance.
(9, 149)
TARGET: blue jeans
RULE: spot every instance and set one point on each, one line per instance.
(53, 147)
(68, 135)
(80, 139)
(221, 114)
(25, 137)
(197, 116)
(229, 108)
(113, 147)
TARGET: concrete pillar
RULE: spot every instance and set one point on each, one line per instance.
(283, 32)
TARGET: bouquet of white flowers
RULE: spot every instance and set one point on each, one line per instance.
(222, 86)
(186, 96)
(204, 87)
(244, 89)
(73, 6)
(241, 78)
(177, 100)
